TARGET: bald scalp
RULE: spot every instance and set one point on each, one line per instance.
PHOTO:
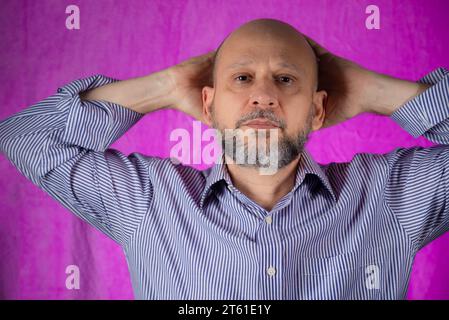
(269, 28)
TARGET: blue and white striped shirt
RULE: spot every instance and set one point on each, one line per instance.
(345, 231)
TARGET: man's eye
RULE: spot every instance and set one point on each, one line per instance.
(284, 77)
(241, 76)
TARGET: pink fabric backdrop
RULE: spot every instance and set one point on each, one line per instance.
(39, 238)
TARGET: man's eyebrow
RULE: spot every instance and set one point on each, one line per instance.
(282, 64)
(292, 66)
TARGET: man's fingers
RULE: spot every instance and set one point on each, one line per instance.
(319, 50)
(206, 57)
(209, 55)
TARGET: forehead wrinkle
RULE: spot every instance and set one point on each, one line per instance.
(282, 64)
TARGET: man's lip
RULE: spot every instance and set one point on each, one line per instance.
(261, 123)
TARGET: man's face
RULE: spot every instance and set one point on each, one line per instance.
(271, 79)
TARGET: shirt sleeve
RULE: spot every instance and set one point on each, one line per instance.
(61, 145)
(418, 180)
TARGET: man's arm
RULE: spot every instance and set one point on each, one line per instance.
(385, 94)
(61, 145)
(417, 189)
(142, 94)
(352, 89)
(417, 186)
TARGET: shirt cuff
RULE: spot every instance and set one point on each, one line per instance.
(93, 124)
(428, 108)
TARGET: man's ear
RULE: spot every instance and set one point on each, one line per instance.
(319, 103)
(207, 94)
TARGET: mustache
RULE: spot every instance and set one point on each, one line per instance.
(261, 114)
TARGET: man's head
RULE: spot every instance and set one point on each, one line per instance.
(266, 69)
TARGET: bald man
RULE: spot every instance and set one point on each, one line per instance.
(286, 96)
(305, 231)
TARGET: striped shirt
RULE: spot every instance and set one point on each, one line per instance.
(345, 231)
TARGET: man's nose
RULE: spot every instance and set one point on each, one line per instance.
(264, 95)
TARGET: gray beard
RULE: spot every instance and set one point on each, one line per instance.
(288, 148)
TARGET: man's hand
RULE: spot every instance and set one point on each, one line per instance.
(189, 77)
(346, 84)
(353, 89)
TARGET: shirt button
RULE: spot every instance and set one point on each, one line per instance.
(268, 219)
(271, 271)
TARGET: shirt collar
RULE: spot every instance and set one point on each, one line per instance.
(309, 166)
(218, 172)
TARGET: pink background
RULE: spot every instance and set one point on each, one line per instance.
(39, 238)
